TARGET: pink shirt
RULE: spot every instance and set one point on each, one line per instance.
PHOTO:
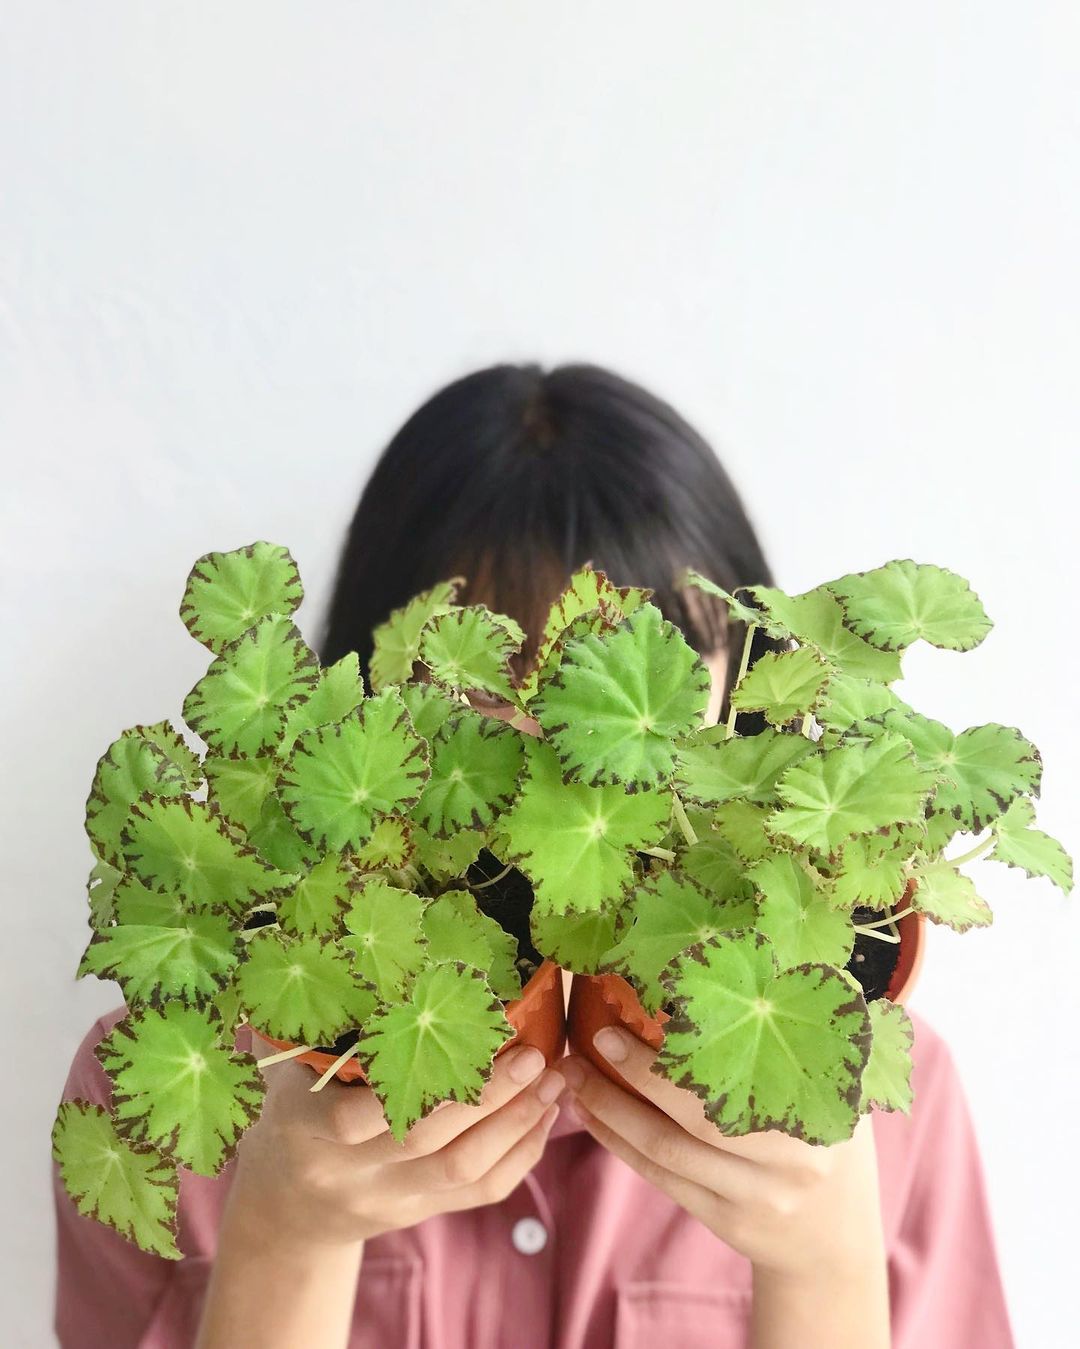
(583, 1255)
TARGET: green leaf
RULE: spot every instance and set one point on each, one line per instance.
(469, 650)
(1018, 845)
(847, 700)
(616, 702)
(275, 838)
(947, 896)
(851, 789)
(301, 989)
(227, 593)
(576, 941)
(177, 1087)
(438, 1046)
(240, 785)
(984, 768)
(991, 766)
(242, 700)
(886, 1083)
(136, 905)
(390, 846)
(797, 916)
(867, 876)
(188, 957)
(475, 765)
(589, 596)
(227, 1005)
(131, 767)
(782, 685)
(449, 857)
(339, 779)
(665, 916)
(766, 1050)
(587, 590)
(715, 865)
(429, 707)
(457, 930)
(101, 893)
(738, 610)
(133, 1192)
(894, 605)
(386, 936)
(182, 846)
(315, 906)
(741, 824)
(176, 749)
(817, 618)
(746, 767)
(340, 689)
(397, 641)
(575, 843)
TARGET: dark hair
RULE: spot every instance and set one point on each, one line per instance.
(514, 477)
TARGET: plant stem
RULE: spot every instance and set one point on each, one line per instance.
(293, 1053)
(246, 933)
(804, 729)
(664, 854)
(751, 628)
(873, 932)
(887, 920)
(977, 851)
(351, 1052)
(483, 885)
(681, 819)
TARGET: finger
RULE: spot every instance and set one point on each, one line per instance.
(634, 1060)
(514, 1070)
(710, 1208)
(509, 1171)
(654, 1134)
(472, 1153)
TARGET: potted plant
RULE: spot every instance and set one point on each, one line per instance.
(384, 881)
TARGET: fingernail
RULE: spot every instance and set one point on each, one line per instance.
(551, 1084)
(611, 1044)
(526, 1064)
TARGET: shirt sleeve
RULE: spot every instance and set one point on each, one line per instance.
(106, 1287)
(944, 1281)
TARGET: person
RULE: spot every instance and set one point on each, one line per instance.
(560, 1210)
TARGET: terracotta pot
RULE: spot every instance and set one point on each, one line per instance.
(912, 929)
(537, 1016)
(598, 1000)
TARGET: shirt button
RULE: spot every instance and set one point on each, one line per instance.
(529, 1236)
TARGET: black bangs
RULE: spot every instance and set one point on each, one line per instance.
(514, 478)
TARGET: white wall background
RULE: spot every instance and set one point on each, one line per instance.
(238, 243)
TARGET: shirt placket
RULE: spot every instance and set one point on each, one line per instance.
(519, 1294)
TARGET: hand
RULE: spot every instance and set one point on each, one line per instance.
(792, 1209)
(322, 1168)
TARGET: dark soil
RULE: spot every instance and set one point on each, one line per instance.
(873, 961)
(509, 901)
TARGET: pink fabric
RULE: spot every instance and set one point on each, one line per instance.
(622, 1266)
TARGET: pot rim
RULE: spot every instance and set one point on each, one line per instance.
(537, 988)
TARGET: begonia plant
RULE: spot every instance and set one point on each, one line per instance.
(312, 869)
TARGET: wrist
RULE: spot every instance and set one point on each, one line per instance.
(262, 1223)
(830, 1304)
(830, 1271)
